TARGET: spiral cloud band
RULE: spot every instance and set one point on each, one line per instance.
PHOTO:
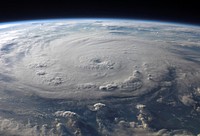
(79, 69)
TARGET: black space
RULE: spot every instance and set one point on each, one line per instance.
(175, 11)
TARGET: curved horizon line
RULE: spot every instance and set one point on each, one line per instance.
(98, 19)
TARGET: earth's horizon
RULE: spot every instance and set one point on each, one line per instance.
(82, 77)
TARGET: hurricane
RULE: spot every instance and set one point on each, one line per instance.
(82, 77)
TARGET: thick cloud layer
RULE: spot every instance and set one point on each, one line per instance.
(67, 77)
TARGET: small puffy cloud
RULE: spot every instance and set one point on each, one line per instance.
(132, 83)
(10, 128)
(140, 106)
(65, 114)
(41, 72)
(198, 91)
(187, 100)
(97, 106)
(55, 81)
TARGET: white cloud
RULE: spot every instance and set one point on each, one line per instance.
(187, 100)
(75, 61)
(98, 106)
(66, 114)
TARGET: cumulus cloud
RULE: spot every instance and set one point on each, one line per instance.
(66, 114)
(9, 127)
(97, 106)
(40, 73)
(187, 100)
